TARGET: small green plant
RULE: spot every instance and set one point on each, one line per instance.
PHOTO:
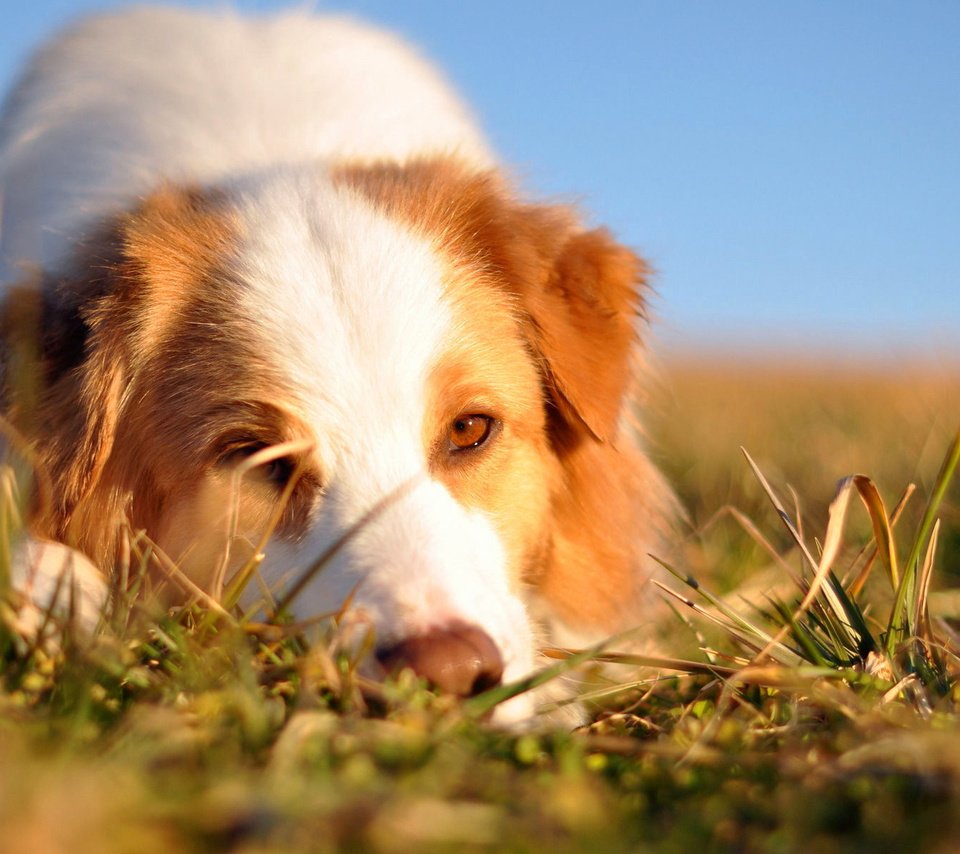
(830, 631)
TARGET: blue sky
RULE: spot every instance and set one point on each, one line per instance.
(792, 170)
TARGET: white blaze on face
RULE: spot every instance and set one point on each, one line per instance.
(351, 311)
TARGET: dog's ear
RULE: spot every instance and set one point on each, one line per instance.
(64, 375)
(581, 295)
(582, 298)
(92, 327)
(82, 404)
(583, 314)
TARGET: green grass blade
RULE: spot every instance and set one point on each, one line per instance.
(484, 703)
(899, 626)
(728, 612)
(854, 615)
(806, 640)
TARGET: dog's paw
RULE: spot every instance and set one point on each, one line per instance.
(51, 578)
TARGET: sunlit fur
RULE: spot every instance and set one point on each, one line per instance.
(229, 248)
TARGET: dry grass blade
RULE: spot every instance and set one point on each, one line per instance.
(173, 572)
(799, 679)
(857, 585)
(837, 516)
(22, 481)
(10, 523)
(744, 637)
(42, 486)
(240, 580)
(882, 532)
(633, 660)
(752, 531)
(784, 516)
(750, 636)
(607, 692)
(921, 613)
(796, 510)
(482, 704)
(121, 577)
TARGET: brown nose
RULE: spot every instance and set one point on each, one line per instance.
(460, 660)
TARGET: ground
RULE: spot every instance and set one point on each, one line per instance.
(192, 736)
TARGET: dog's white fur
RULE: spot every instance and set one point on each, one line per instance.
(124, 101)
(377, 294)
(348, 309)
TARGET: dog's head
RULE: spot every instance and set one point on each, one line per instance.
(400, 369)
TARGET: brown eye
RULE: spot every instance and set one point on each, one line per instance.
(470, 431)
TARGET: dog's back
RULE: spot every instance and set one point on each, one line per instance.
(122, 102)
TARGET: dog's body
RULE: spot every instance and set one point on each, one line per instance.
(286, 233)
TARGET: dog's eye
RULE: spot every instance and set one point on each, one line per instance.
(277, 471)
(470, 431)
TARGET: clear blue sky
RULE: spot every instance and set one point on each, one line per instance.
(791, 169)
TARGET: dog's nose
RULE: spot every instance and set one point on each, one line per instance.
(461, 660)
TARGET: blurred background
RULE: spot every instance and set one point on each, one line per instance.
(791, 170)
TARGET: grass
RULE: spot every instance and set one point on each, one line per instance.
(833, 726)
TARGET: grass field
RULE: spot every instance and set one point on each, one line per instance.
(183, 737)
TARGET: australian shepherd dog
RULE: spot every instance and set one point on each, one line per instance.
(285, 307)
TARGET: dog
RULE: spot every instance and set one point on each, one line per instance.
(288, 312)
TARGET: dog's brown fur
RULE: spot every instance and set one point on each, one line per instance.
(137, 328)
